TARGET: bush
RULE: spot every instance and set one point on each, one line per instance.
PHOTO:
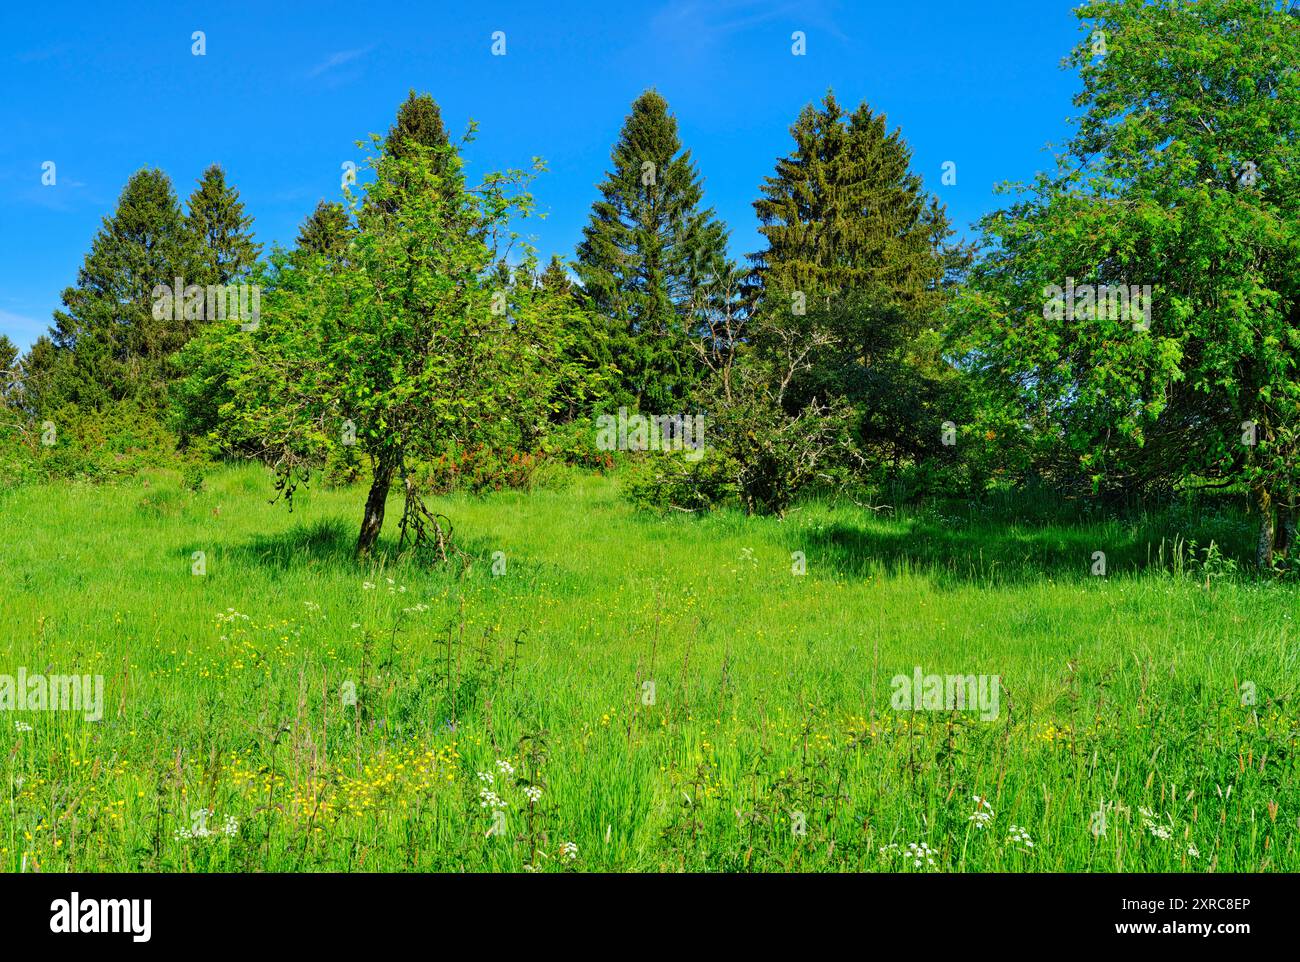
(671, 480)
(476, 470)
(103, 445)
(756, 451)
(574, 443)
(17, 459)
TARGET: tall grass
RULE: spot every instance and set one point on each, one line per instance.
(680, 697)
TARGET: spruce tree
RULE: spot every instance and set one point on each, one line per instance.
(418, 123)
(10, 372)
(419, 127)
(586, 348)
(325, 231)
(222, 232)
(556, 278)
(844, 212)
(113, 345)
(645, 254)
(8, 353)
(857, 259)
(225, 254)
(39, 386)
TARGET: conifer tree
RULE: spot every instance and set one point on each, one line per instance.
(325, 231)
(222, 232)
(8, 353)
(857, 260)
(418, 127)
(844, 212)
(556, 277)
(114, 347)
(645, 253)
(224, 254)
(10, 372)
(418, 123)
(586, 347)
(37, 387)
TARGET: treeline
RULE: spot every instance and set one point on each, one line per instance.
(1128, 325)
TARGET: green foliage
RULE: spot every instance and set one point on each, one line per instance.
(673, 481)
(756, 450)
(646, 253)
(209, 364)
(221, 232)
(418, 127)
(344, 466)
(574, 443)
(419, 133)
(556, 348)
(852, 284)
(556, 277)
(863, 349)
(109, 345)
(844, 213)
(111, 443)
(1181, 175)
(408, 346)
(476, 470)
(325, 232)
(112, 349)
(770, 453)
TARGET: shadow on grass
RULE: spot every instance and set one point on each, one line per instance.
(329, 541)
(332, 542)
(1009, 553)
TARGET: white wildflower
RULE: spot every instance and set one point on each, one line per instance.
(1162, 832)
(920, 853)
(1019, 835)
(983, 813)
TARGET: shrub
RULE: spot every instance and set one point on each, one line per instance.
(755, 450)
(476, 470)
(102, 445)
(671, 480)
(574, 443)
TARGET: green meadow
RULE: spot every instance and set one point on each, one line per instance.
(597, 688)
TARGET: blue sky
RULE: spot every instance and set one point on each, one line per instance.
(285, 89)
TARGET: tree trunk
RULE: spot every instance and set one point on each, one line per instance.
(1286, 533)
(1264, 547)
(373, 521)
